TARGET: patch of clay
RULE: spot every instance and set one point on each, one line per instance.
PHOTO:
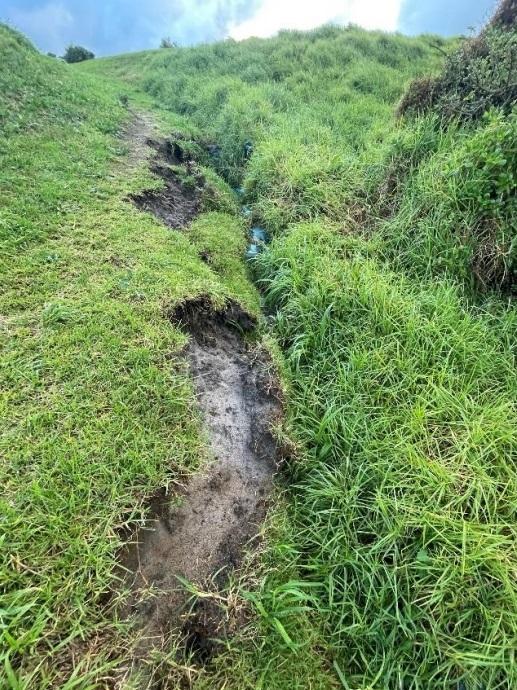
(205, 529)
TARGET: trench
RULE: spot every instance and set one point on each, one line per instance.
(201, 533)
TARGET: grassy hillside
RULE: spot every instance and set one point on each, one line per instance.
(94, 418)
(392, 310)
(318, 108)
(309, 102)
(389, 561)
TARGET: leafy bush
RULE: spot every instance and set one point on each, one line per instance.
(489, 167)
(478, 76)
(449, 195)
(505, 16)
(167, 43)
(77, 54)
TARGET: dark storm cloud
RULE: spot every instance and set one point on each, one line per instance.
(115, 26)
(445, 17)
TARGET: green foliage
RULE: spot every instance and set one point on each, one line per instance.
(77, 54)
(488, 167)
(402, 506)
(329, 86)
(392, 561)
(478, 76)
(449, 197)
(94, 418)
(167, 43)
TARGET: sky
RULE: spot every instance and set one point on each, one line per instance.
(116, 26)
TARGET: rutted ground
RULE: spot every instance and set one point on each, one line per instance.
(178, 202)
(399, 525)
(201, 532)
(97, 418)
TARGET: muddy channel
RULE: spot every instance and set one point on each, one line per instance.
(201, 533)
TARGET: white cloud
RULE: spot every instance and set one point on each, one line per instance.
(273, 15)
(376, 14)
(114, 26)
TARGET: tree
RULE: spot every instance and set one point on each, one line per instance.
(77, 54)
(167, 43)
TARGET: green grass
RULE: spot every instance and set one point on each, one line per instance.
(315, 96)
(389, 560)
(403, 505)
(457, 212)
(94, 417)
(319, 107)
(399, 514)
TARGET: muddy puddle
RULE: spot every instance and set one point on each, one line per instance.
(201, 533)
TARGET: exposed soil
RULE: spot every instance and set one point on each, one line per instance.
(201, 534)
(136, 135)
(178, 202)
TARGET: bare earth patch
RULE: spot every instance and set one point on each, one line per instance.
(136, 134)
(177, 203)
(200, 533)
(204, 530)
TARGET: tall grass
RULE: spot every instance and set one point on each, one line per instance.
(446, 205)
(329, 84)
(403, 505)
(394, 558)
(389, 280)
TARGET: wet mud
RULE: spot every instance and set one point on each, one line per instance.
(201, 533)
(179, 201)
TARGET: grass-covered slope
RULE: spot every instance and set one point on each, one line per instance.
(404, 396)
(307, 101)
(395, 314)
(404, 503)
(93, 417)
(401, 337)
(390, 561)
(452, 173)
(319, 110)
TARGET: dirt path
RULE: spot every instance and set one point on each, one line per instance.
(204, 531)
(140, 129)
(179, 201)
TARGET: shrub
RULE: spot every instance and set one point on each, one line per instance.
(478, 76)
(77, 54)
(452, 202)
(506, 15)
(167, 43)
(420, 96)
